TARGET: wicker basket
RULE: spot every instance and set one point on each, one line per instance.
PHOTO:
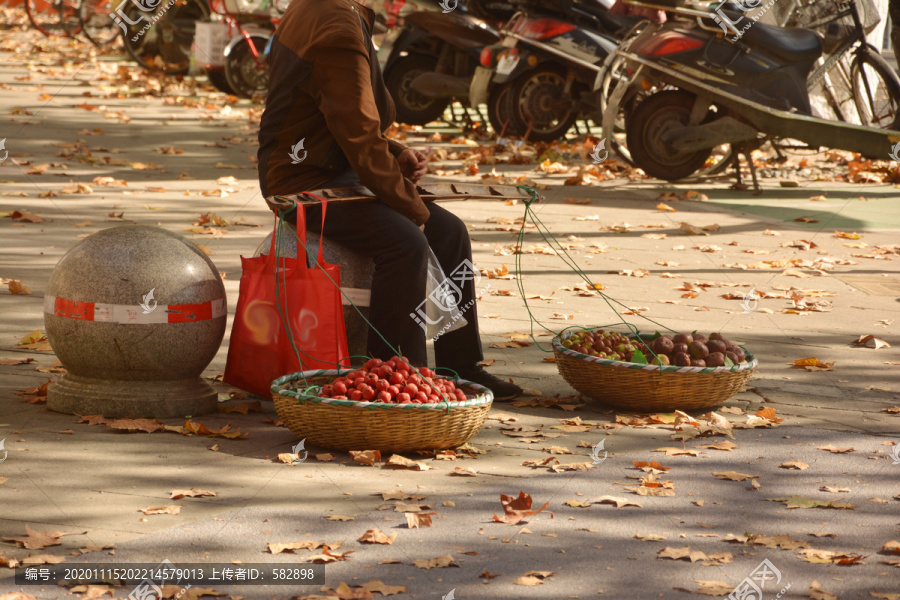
(649, 388)
(351, 425)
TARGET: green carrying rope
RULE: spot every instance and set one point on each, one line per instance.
(570, 262)
(282, 231)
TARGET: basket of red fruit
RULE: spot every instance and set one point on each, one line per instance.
(648, 373)
(384, 405)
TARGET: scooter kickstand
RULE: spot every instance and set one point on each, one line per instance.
(757, 191)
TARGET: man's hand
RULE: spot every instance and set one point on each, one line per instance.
(413, 164)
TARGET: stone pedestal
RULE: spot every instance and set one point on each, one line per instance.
(356, 282)
(135, 314)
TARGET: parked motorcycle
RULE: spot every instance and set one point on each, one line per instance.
(540, 77)
(702, 89)
(430, 60)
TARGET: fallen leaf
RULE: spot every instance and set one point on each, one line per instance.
(191, 493)
(869, 341)
(43, 559)
(816, 592)
(463, 472)
(619, 502)
(803, 502)
(17, 287)
(734, 476)
(38, 540)
(832, 449)
(794, 464)
(278, 548)
(374, 536)
(170, 509)
(366, 457)
(682, 553)
(814, 555)
(891, 547)
(327, 556)
(419, 519)
(533, 578)
(244, 407)
(517, 509)
(400, 462)
(434, 563)
(384, 589)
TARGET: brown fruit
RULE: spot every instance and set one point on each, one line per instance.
(662, 345)
(660, 359)
(716, 346)
(682, 338)
(737, 350)
(716, 336)
(699, 337)
(734, 357)
(698, 362)
(680, 348)
(681, 359)
(715, 359)
(698, 349)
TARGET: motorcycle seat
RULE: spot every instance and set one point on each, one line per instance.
(791, 45)
(613, 23)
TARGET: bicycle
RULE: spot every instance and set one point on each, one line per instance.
(50, 16)
(157, 35)
(873, 85)
(96, 23)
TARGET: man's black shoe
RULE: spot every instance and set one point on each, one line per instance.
(504, 391)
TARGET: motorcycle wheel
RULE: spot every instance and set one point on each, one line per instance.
(650, 120)
(219, 80)
(876, 91)
(412, 107)
(247, 74)
(534, 99)
(498, 116)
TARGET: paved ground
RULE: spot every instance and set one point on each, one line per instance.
(171, 146)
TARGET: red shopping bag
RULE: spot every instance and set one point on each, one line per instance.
(280, 299)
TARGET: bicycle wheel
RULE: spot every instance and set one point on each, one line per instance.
(96, 24)
(160, 40)
(44, 15)
(876, 90)
(68, 17)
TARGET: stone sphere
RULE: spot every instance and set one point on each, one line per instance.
(134, 304)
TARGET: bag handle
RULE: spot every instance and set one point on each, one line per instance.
(320, 260)
(301, 227)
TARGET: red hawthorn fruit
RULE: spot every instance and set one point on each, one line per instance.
(340, 388)
(403, 398)
(384, 397)
(420, 397)
(411, 389)
(397, 377)
(382, 385)
(355, 395)
(368, 393)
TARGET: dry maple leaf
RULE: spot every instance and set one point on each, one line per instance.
(794, 464)
(682, 553)
(243, 408)
(814, 555)
(804, 502)
(463, 472)
(649, 466)
(434, 563)
(400, 462)
(224, 431)
(366, 457)
(43, 559)
(384, 589)
(38, 540)
(419, 519)
(15, 361)
(533, 578)
(517, 509)
(869, 341)
(832, 449)
(733, 476)
(192, 493)
(374, 536)
(132, 425)
(619, 502)
(169, 509)
(278, 548)
(327, 556)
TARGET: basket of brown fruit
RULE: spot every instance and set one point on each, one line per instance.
(652, 372)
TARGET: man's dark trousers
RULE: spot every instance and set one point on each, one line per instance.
(400, 251)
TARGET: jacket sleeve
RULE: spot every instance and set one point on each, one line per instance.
(341, 76)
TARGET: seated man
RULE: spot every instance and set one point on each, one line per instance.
(326, 90)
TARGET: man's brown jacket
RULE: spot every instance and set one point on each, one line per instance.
(326, 90)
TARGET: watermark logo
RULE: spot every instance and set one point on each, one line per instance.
(751, 588)
(445, 298)
(895, 453)
(295, 153)
(5, 451)
(595, 453)
(750, 301)
(448, 6)
(150, 589)
(450, 596)
(145, 304)
(894, 154)
(296, 452)
(144, 6)
(595, 155)
(6, 152)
